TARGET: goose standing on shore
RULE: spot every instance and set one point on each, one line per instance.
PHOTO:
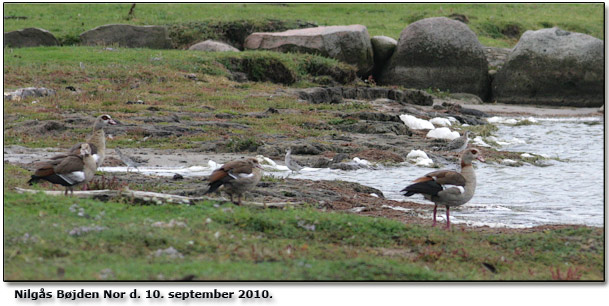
(448, 188)
(72, 170)
(97, 141)
(237, 176)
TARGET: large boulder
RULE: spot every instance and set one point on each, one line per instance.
(350, 44)
(383, 47)
(29, 37)
(438, 53)
(213, 46)
(125, 35)
(553, 67)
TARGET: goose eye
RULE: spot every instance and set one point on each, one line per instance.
(105, 117)
(474, 151)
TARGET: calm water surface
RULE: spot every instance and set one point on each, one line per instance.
(568, 191)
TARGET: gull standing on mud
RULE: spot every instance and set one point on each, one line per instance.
(458, 144)
(448, 188)
(127, 160)
(292, 165)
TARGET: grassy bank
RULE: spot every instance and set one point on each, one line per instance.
(194, 84)
(497, 25)
(57, 238)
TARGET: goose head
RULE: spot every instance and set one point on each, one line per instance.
(469, 155)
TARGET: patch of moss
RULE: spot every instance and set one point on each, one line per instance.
(483, 130)
(341, 121)
(243, 144)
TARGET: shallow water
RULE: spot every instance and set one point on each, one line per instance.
(569, 191)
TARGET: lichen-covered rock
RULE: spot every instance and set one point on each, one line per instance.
(350, 44)
(125, 35)
(553, 67)
(438, 53)
(213, 46)
(29, 37)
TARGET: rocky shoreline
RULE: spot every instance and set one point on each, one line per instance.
(332, 151)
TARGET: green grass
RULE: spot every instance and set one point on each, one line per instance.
(487, 20)
(242, 243)
(158, 77)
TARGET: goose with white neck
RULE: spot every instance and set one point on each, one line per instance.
(97, 141)
(70, 171)
(448, 188)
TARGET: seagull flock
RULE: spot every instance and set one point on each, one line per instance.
(77, 166)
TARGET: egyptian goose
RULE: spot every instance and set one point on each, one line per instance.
(237, 176)
(73, 170)
(292, 165)
(458, 144)
(127, 160)
(97, 141)
(448, 188)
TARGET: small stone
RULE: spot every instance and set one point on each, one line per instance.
(168, 252)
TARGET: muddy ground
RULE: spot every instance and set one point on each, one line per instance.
(378, 136)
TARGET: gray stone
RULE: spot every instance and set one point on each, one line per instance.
(337, 94)
(350, 44)
(213, 46)
(553, 67)
(28, 92)
(131, 36)
(373, 116)
(29, 37)
(383, 47)
(496, 57)
(321, 95)
(376, 127)
(438, 53)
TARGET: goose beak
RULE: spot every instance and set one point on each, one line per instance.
(111, 121)
(480, 158)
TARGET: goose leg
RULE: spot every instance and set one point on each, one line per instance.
(447, 217)
(435, 209)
